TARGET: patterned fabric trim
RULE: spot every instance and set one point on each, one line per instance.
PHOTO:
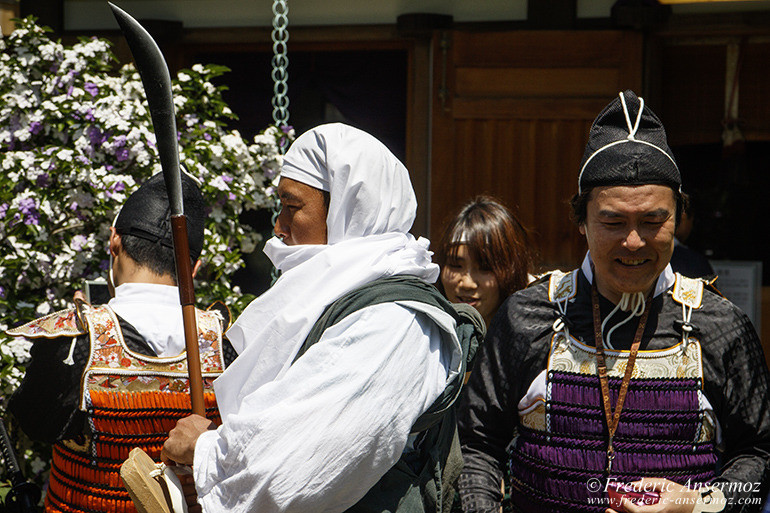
(688, 291)
(679, 361)
(64, 323)
(112, 365)
(562, 286)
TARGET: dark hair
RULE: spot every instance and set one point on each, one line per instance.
(145, 229)
(155, 256)
(579, 204)
(495, 239)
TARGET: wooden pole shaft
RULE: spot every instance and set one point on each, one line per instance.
(187, 299)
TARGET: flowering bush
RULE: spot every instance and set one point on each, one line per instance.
(75, 140)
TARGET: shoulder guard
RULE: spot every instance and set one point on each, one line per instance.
(223, 313)
(64, 323)
(562, 286)
(688, 291)
(536, 279)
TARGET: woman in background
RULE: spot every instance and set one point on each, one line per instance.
(485, 256)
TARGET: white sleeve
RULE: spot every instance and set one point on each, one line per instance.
(321, 436)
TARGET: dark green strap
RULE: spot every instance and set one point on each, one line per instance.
(384, 290)
(470, 327)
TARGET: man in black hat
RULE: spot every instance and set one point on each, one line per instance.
(620, 378)
(106, 378)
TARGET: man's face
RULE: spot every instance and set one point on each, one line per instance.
(630, 232)
(303, 214)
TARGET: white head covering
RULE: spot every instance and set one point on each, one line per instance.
(372, 206)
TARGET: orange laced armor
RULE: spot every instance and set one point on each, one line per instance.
(132, 400)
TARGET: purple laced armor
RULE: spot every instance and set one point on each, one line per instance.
(658, 436)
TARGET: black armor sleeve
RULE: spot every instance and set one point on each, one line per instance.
(228, 351)
(737, 383)
(508, 361)
(46, 404)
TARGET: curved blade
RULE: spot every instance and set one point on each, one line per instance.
(157, 86)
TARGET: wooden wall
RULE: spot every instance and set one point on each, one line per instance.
(511, 114)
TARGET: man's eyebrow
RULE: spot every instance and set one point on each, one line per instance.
(658, 212)
(286, 195)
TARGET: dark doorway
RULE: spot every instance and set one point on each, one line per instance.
(728, 195)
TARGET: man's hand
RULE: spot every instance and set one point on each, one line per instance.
(674, 498)
(180, 446)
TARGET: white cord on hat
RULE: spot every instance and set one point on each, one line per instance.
(632, 131)
(631, 137)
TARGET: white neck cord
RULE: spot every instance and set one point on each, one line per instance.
(633, 302)
(686, 326)
(559, 324)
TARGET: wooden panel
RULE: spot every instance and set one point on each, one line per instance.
(517, 162)
(691, 81)
(536, 82)
(528, 108)
(516, 130)
(693, 85)
(753, 107)
(545, 48)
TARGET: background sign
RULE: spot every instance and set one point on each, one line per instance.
(741, 283)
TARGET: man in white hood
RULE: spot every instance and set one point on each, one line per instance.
(316, 411)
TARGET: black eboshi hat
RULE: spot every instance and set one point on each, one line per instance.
(625, 152)
(146, 213)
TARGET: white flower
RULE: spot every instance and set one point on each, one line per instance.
(37, 465)
(219, 183)
(43, 309)
(217, 214)
(65, 154)
(183, 77)
(249, 242)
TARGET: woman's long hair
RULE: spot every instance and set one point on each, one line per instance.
(495, 238)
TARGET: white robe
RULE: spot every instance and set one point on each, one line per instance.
(154, 310)
(336, 421)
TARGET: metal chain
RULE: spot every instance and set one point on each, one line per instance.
(280, 75)
(280, 72)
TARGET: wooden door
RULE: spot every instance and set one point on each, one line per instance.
(511, 114)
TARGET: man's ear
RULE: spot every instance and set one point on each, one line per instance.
(582, 229)
(197, 266)
(116, 244)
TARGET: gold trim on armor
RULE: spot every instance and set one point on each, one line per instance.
(110, 357)
(677, 361)
(63, 323)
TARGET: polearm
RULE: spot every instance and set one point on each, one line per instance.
(157, 87)
(24, 495)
